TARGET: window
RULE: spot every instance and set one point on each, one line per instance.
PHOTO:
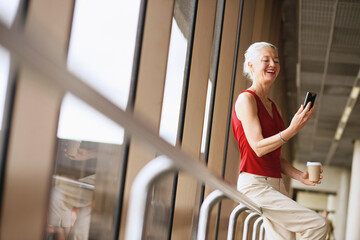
(89, 156)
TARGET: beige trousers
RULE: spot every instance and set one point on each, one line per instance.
(283, 217)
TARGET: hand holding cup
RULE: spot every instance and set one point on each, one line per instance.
(314, 169)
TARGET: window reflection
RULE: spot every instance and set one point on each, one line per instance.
(87, 174)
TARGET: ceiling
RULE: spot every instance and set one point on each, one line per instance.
(321, 47)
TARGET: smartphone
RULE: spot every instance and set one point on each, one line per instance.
(310, 97)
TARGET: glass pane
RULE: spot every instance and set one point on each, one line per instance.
(89, 155)
(4, 77)
(80, 122)
(8, 9)
(87, 174)
(102, 45)
(173, 85)
(206, 116)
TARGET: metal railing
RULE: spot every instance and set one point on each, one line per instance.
(232, 220)
(74, 182)
(205, 211)
(161, 166)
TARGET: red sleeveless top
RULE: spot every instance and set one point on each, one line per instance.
(269, 164)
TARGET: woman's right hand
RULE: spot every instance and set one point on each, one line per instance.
(300, 118)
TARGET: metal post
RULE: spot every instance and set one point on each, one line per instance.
(232, 220)
(205, 210)
(256, 224)
(135, 225)
(248, 219)
(262, 231)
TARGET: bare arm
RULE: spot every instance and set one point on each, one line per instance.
(246, 111)
(292, 172)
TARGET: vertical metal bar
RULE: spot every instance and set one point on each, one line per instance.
(205, 211)
(181, 123)
(130, 108)
(255, 227)
(262, 231)
(248, 219)
(232, 220)
(143, 183)
(238, 32)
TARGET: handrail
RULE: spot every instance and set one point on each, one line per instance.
(205, 210)
(78, 183)
(232, 221)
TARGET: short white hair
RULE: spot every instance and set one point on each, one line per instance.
(250, 55)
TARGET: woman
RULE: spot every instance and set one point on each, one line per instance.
(260, 132)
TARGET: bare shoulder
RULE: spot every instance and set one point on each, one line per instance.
(245, 99)
(245, 103)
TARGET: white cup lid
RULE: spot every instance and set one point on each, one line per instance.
(313, 163)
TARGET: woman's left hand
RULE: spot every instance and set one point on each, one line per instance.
(305, 179)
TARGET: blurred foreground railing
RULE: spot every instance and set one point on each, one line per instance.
(161, 166)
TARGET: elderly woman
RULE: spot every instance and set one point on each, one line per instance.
(260, 132)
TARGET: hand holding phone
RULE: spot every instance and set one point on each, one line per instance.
(310, 97)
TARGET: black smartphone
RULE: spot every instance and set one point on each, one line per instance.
(310, 97)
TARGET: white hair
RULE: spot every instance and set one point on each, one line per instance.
(250, 55)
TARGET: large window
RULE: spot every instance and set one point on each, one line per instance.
(89, 158)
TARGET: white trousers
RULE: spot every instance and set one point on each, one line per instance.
(283, 217)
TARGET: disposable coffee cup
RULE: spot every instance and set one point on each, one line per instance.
(314, 171)
(73, 147)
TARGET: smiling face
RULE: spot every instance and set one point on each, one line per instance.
(265, 66)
